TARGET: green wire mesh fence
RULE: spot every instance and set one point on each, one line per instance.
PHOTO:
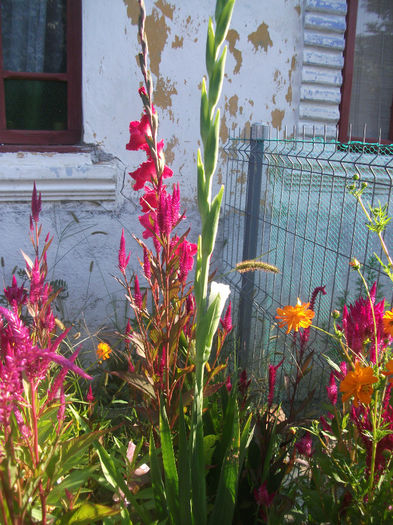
(287, 203)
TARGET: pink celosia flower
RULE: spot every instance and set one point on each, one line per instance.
(90, 397)
(228, 384)
(123, 260)
(15, 294)
(324, 423)
(262, 495)
(186, 251)
(35, 205)
(227, 321)
(272, 381)
(244, 383)
(164, 213)
(358, 326)
(36, 282)
(304, 446)
(146, 264)
(137, 293)
(175, 204)
(332, 389)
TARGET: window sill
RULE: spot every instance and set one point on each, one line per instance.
(83, 174)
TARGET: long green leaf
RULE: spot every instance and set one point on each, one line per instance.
(156, 478)
(184, 472)
(72, 449)
(170, 471)
(224, 504)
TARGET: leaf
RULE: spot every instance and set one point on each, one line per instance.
(170, 471)
(156, 478)
(224, 19)
(211, 148)
(72, 449)
(224, 504)
(87, 513)
(210, 48)
(73, 482)
(184, 471)
(138, 381)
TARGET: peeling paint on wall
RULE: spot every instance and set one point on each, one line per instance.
(157, 35)
(277, 118)
(163, 93)
(298, 9)
(232, 105)
(288, 96)
(132, 11)
(232, 38)
(178, 42)
(261, 37)
(169, 153)
(165, 8)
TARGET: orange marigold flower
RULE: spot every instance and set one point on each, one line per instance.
(295, 317)
(103, 351)
(358, 383)
(388, 322)
(389, 372)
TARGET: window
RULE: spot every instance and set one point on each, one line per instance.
(40, 72)
(366, 109)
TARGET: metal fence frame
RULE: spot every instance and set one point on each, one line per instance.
(286, 201)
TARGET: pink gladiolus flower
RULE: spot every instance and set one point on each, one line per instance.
(15, 294)
(137, 293)
(123, 260)
(226, 323)
(145, 173)
(148, 221)
(228, 384)
(332, 389)
(304, 446)
(272, 381)
(149, 200)
(139, 130)
(35, 205)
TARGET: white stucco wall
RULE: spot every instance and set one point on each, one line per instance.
(262, 84)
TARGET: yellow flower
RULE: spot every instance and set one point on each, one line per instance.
(295, 317)
(358, 383)
(103, 351)
(389, 372)
(388, 322)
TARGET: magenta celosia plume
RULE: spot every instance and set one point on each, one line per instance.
(358, 326)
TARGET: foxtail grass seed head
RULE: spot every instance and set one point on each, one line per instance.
(254, 265)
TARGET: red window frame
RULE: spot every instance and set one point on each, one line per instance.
(346, 88)
(73, 78)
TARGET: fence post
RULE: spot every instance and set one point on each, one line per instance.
(259, 133)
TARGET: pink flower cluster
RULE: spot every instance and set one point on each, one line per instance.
(27, 350)
(358, 326)
(160, 209)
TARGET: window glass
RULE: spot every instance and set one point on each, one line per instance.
(35, 104)
(34, 35)
(372, 83)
